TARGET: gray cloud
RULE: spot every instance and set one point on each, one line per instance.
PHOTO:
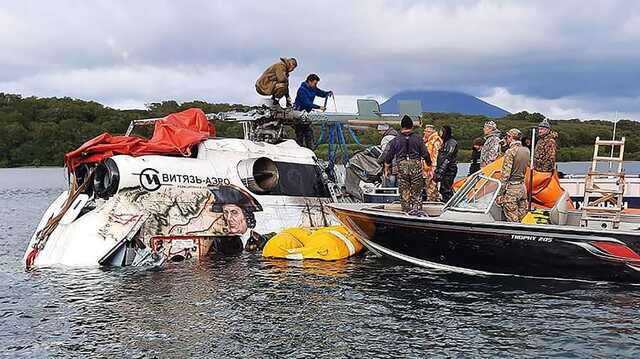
(580, 57)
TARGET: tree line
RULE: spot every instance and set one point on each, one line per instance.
(39, 131)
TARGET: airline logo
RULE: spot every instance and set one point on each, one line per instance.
(151, 180)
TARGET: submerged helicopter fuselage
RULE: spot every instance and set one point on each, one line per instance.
(145, 210)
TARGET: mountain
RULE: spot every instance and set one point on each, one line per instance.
(445, 101)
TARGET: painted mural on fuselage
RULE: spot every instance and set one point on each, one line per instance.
(185, 210)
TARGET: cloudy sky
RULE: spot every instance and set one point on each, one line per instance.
(565, 59)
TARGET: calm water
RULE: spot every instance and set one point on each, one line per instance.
(250, 307)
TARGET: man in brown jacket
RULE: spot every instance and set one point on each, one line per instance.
(274, 81)
(544, 157)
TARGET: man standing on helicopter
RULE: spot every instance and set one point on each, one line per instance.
(305, 96)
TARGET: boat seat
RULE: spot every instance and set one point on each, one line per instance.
(558, 214)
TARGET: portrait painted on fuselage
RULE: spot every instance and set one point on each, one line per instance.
(237, 207)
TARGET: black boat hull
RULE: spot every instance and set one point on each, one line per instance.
(498, 249)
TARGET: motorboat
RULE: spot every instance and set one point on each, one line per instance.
(469, 234)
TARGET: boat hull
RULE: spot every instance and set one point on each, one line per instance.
(496, 249)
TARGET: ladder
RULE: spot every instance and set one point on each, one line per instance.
(595, 195)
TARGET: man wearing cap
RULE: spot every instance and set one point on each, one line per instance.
(433, 142)
(408, 149)
(491, 149)
(237, 207)
(274, 81)
(388, 133)
(513, 194)
(544, 154)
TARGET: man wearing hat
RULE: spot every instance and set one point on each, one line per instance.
(491, 148)
(432, 140)
(274, 81)
(388, 133)
(408, 148)
(513, 194)
(237, 207)
(544, 154)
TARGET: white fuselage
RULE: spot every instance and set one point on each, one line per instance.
(163, 196)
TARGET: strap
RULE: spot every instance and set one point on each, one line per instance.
(406, 145)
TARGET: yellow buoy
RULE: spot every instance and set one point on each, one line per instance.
(326, 243)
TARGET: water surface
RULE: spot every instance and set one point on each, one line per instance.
(250, 307)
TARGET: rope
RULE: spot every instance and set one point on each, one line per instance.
(354, 136)
(331, 153)
(343, 143)
(321, 137)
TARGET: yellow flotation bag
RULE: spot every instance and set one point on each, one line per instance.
(326, 243)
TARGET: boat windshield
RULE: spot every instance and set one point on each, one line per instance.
(476, 195)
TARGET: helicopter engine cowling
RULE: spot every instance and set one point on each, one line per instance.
(152, 172)
(260, 175)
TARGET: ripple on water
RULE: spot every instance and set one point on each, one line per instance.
(249, 307)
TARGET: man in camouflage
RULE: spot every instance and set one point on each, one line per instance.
(274, 81)
(544, 154)
(407, 148)
(491, 148)
(433, 142)
(513, 194)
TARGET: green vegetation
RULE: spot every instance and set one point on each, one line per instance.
(39, 131)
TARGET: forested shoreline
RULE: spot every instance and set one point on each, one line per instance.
(39, 131)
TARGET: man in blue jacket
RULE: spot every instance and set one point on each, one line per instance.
(304, 102)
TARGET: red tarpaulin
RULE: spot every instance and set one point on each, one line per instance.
(174, 134)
